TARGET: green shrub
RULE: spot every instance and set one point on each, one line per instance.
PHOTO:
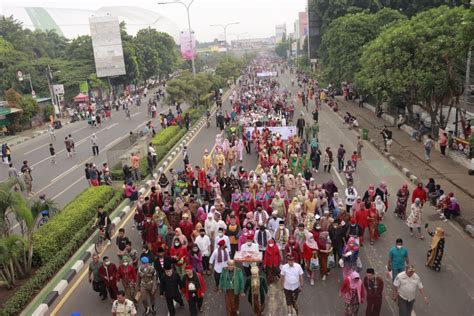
(60, 257)
(60, 229)
(164, 136)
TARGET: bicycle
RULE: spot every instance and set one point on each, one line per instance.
(99, 244)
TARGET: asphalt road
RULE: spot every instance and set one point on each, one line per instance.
(450, 292)
(66, 179)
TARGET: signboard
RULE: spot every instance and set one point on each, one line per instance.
(285, 131)
(107, 46)
(33, 94)
(19, 75)
(188, 45)
(266, 74)
(58, 89)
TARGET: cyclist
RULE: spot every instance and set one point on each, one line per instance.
(103, 221)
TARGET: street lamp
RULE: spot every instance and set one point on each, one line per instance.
(189, 28)
(224, 26)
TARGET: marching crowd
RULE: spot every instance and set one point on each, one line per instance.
(254, 229)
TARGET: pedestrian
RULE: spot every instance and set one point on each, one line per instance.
(415, 218)
(87, 173)
(292, 280)
(52, 152)
(373, 285)
(300, 124)
(193, 288)
(95, 146)
(443, 144)
(328, 159)
(185, 156)
(98, 284)
(340, 157)
(170, 282)
(218, 260)
(27, 177)
(256, 290)
(52, 133)
(404, 291)
(232, 284)
(108, 274)
(150, 163)
(146, 284)
(12, 172)
(272, 261)
(187, 121)
(152, 150)
(436, 251)
(352, 291)
(397, 258)
(387, 138)
(428, 145)
(360, 145)
(123, 306)
(73, 143)
(128, 275)
(135, 166)
(67, 143)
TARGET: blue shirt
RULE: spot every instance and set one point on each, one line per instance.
(398, 257)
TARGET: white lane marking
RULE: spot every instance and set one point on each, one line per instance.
(65, 173)
(44, 145)
(135, 114)
(67, 188)
(338, 176)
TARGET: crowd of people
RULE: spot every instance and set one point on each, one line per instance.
(203, 220)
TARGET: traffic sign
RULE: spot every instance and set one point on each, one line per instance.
(58, 89)
(33, 93)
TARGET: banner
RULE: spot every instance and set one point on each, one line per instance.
(285, 131)
(188, 45)
(266, 74)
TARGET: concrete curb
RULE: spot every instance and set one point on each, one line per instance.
(465, 224)
(62, 285)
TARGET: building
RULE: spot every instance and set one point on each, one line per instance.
(280, 32)
(296, 29)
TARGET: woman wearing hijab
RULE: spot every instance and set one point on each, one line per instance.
(349, 257)
(374, 220)
(291, 218)
(415, 218)
(382, 191)
(369, 194)
(402, 199)
(195, 258)
(278, 205)
(324, 249)
(293, 248)
(380, 207)
(271, 261)
(436, 251)
(179, 253)
(352, 291)
(310, 254)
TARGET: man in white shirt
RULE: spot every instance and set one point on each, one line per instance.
(123, 306)
(152, 151)
(262, 236)
(292, 279)
(219, 258)
(221, 236)
(248, 247)
(204, 244)
(273, 222)
(404, 290)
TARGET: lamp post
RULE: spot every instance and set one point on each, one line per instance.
(224, 26)
(187, 6)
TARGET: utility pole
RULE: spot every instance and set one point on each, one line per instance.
(224, 27)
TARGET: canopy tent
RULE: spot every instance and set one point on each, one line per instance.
(81, 97)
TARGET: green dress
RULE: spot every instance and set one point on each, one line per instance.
(256, 298)
(232, 280)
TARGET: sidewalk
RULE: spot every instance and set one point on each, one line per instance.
(28, 134)
(408, 156)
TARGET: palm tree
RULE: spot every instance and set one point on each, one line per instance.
(27, 223)
(10, 253)
(6, 199)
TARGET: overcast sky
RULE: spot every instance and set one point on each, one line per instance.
(257, 17)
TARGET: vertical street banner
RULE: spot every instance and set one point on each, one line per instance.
(188, 45)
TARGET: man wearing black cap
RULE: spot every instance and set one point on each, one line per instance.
(161, 262)
(170, 283)
(373, 285)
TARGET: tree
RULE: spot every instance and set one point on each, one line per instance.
(10, 254)
(342, 43)
(281, 49)
(416, 60)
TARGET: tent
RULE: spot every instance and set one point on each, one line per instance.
(81, 97)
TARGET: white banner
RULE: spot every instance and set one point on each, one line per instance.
(266, 74)
(285, 132)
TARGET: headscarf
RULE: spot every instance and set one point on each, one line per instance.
(272, 255)
(438, 235)
(311, 242)
(350, 247)
(356, 283)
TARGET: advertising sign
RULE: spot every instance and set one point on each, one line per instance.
(188, 45)
(107, 46)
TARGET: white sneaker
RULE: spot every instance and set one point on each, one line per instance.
(108, 242)
(311, 282)
(445, 220)
(324, 278)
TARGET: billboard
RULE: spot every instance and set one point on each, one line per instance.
(107, 45)
(188, 45)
